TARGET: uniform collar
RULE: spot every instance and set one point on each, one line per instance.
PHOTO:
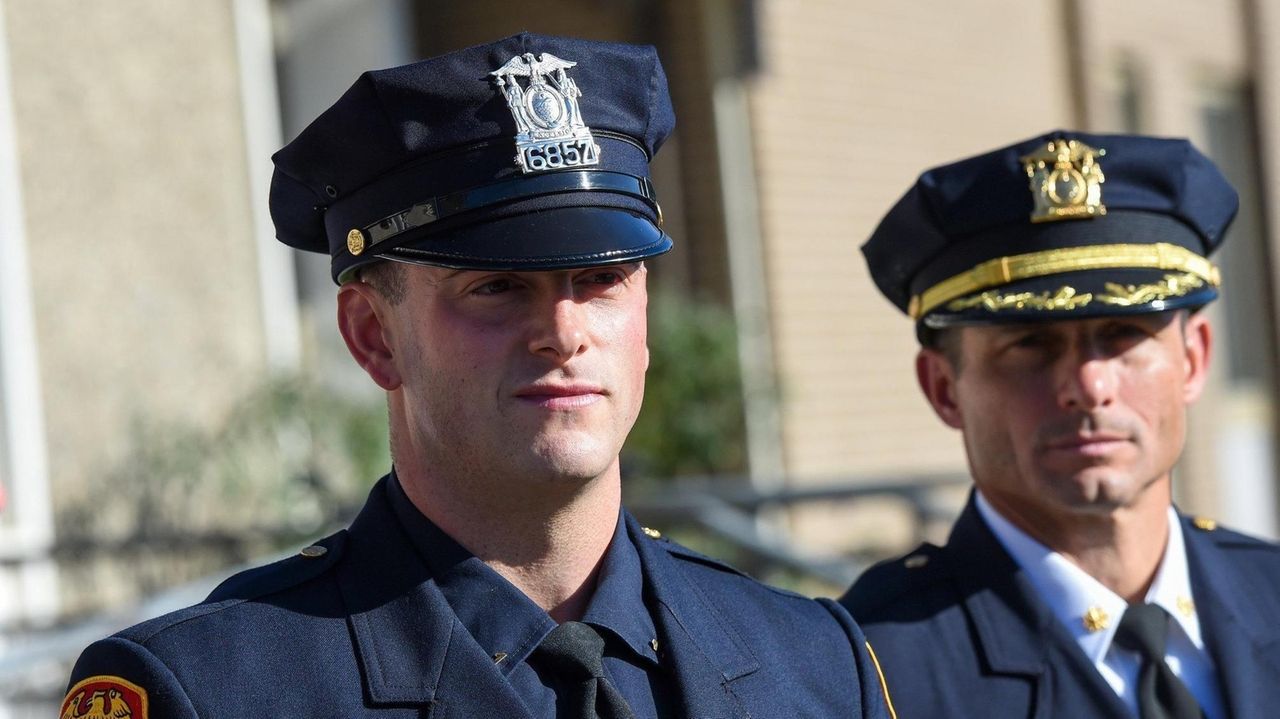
(505, 622)
(1071, 593)
(412, 648)
(502, 620)
(618, 603)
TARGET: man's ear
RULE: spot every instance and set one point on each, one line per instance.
(937, 378)
(1197, 339)
(362, 316)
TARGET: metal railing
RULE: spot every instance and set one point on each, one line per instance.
(731, 509)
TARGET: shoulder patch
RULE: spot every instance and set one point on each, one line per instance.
(104, 697)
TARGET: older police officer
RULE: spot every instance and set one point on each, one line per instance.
(488, 213)
(1055, 285)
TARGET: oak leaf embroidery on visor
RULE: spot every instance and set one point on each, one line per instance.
(1065, 298)
(1131, 295)
(1068, 298)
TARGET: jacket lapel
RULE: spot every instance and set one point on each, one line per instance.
(1239, 617)
(704, 659)
(1017, 634)
(411, 647)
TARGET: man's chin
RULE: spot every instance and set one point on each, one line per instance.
(573, 460)
(1097, 490)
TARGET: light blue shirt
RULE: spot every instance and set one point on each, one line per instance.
(1070, 593)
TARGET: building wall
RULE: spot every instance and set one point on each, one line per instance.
(852, 103)
(141, 249)
(141, 246)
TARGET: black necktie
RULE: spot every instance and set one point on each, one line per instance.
(1161, 694)
(574, 653)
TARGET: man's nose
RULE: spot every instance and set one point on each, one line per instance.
(560, 330)
(1088, 382)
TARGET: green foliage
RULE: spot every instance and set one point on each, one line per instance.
(692, 420)
(289, 456)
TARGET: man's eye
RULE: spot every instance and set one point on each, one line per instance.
(494, 287)
(608, 277)
(1123, 335)
(1031, 341)
(1121, 330)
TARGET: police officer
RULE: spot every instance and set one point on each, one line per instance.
(489, 213)
(1056, 286)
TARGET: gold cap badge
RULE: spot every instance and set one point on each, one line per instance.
(1066, 181)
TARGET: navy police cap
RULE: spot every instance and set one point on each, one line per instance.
(1066, 225)
(528, 153)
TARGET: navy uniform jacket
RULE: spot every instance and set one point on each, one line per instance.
(961, 633)
(362, 631)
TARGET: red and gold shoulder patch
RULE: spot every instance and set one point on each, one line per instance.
(105, 697)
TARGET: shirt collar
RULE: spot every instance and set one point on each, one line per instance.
(1079, 601)
(505, 622)
(1171, 587)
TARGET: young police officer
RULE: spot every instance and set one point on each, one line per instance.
(489, 213)
(1056, 286)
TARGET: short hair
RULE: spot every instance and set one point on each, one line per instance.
(387, 278)
(944, 340)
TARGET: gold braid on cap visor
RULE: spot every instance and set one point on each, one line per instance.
(1003, 270)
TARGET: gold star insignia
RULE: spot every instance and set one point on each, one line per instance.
(1186, 607)
(1096, 619)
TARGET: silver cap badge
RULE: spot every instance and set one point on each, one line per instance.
(550, 132)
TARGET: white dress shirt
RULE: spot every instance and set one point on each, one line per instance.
(1072, 595)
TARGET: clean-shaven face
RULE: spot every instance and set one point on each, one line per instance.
(1078, 415)
(537, 376)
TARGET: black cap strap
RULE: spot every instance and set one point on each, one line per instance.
(438, 208)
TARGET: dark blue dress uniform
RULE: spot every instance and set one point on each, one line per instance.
(961, 632)
(380, 620)
(530, 153)
(1060, 227)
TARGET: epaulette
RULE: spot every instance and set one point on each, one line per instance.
(1228, 538)
(310, 562)
(886, 581)
(282, 574)
(682, 552)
